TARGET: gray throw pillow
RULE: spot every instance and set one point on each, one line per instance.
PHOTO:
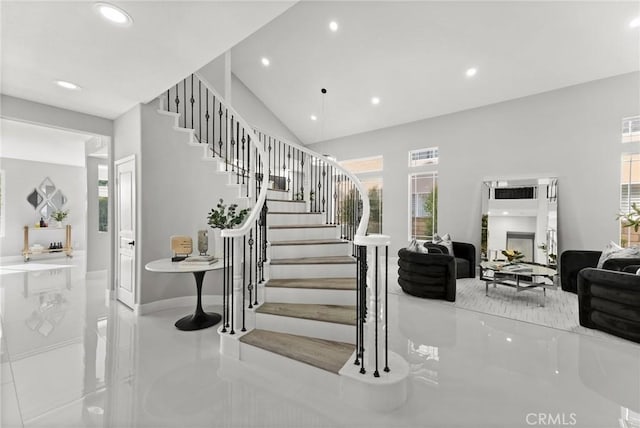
(445, 241)
(416, 247)
(614, 251)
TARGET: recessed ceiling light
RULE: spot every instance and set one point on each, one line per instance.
(471, 72)
(68, 85)
(505, 212)
(313, 117)
(635, 23)
(265, 61)
(333, 26)
(114, 14)
(509, 339)
(375, 101)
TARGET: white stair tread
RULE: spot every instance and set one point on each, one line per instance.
(325, 354)
(309, 242)
(302, 226)
(330, 260)
(337, 314)
(314, 283)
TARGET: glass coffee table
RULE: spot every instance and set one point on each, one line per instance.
(521, 276)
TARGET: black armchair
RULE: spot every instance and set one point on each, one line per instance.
(573, 261)
(610, 301)
(427, 275)
(464, 254)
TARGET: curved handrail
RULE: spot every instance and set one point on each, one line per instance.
(364, 220)
(255, 210)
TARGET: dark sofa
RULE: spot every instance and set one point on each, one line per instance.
(464, 255)
(610, 301)
(573, 261)
(427, 275)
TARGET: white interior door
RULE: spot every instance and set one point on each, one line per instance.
(126, 230)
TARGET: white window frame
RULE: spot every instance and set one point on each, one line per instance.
(413, 163)
(410, 200)
(3, 196)
(631, 136)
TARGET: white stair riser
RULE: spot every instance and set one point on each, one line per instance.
(313, 271)
(311, 296)
(287, 206)
(294, 219)
(304, 327)
(319, 250)
(304, 233)
(276, 194)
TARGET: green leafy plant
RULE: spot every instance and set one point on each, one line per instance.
(226, 217)
(60, 215)
(632, 218)
(513, 255)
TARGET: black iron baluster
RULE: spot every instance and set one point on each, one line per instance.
(288, 161)
(264, 234)
(251, 269)
(248, 163)
(363, 300)
(231, 285)
(233, 146)
(244, 281)
(386, 309)
(177, 100)
(226, 139)
(270, 156)
(258, 263)
(243, 160)
(200, 111)
(192, 100)
(324, 193)
(376, 373)
(206, 116)
(219, 127)
(224, 285)
(302, 178)
(237, 159)
(358, 338)
(184, 104)
(168, 107)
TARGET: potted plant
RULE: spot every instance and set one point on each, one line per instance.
(225, 217)
(632, 218)
(59, 216)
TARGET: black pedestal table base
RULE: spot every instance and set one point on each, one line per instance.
(200, 319)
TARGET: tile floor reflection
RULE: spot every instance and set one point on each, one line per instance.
(70, 358)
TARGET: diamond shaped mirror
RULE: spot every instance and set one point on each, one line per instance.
(47, 210)
(35, 199)
(58, 200)
(47, 188)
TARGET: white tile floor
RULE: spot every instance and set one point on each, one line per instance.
(71, 359)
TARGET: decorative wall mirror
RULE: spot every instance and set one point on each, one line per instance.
(47, 188)
(520, 215)
(46, 199)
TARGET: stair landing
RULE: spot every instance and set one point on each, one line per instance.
(324, 354)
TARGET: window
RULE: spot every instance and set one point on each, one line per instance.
(421, 157)
(368, 172)
(629, 194)
(423, 209)
(363, 165)
(103, 198)
(631, 129)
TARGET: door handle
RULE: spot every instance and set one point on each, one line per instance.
(132, 243)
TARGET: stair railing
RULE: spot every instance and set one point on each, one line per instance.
(260, 161)
(334, 191)
(232, 141)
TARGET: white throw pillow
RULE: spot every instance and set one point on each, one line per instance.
(444, 240)
(416, 247)
(638, 272)
(615, 251)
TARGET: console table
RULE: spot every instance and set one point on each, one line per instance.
(199, 319)
(521, 276)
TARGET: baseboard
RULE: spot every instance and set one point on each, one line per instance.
(176, 302)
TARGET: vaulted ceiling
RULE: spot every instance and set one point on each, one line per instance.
(414, 55)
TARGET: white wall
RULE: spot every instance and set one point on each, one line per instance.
(250, 107)
(177, 190)
(571, 133)
(21, 178)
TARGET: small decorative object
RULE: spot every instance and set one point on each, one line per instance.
(513, 256)
(203, 242)
(226, 218)
(181, 246)
(631, 219)
(59, 216)
(42, 223)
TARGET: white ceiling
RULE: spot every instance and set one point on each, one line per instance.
(413, 55)
(42, 144)
(44, 41)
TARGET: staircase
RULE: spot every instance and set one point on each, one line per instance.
(297, 289)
